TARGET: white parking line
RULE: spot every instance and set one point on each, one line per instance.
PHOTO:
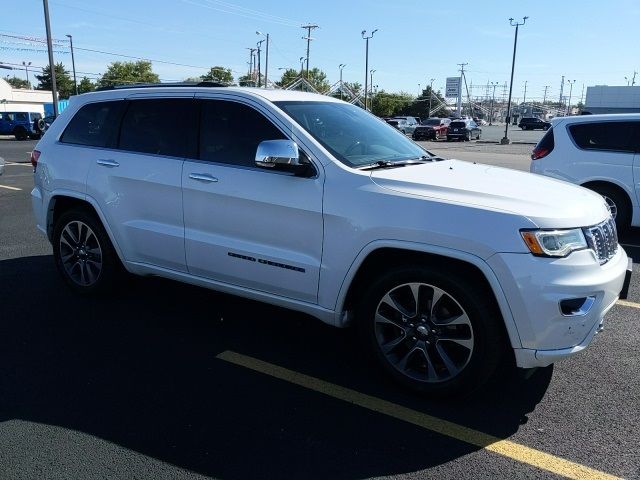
(20, 164)
(10, 188)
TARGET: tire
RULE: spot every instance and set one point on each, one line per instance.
(448, 138)
(468, 137)
(90, 265)
(398, 335)
(618, 203)
(20, 133)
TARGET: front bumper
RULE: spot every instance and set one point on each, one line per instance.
(535, 287)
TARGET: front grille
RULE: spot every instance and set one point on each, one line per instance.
(603, 239)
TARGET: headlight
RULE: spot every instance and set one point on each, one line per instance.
(554, 243)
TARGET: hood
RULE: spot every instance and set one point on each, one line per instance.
(547, 202)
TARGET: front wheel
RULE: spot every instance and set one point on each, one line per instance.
(617, 202)
(437, 334)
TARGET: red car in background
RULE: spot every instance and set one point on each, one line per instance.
(432, 129)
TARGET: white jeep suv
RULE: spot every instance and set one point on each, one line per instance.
(599, 152)
(447, 268)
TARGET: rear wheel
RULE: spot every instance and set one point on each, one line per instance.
(437, 334)
(83, 252)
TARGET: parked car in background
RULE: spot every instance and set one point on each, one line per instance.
(392, 121)
(406, 124)
(599, 152)
(22, 125)
(533, 123)
(463, 130)
(48, 120)
(431, 129)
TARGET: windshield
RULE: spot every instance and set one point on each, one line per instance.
(432, 121)
(353, 136)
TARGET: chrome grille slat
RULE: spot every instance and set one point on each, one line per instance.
(603, 240)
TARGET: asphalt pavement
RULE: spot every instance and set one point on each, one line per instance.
(164, 380)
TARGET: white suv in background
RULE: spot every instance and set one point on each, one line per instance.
(599, 152)
(447, 268)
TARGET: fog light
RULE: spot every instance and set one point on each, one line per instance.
(575, 307)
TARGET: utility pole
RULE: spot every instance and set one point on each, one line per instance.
(26, 69)
(259, 45)
(341, 66)
(493, 98)
(524, 100)
(561, 90)
(371, 72)
(633, 80)
(266, 59)
(430, 95)
(73, 63)
(582, 95)
(570, 82)
(308, 38)
(544, 99)
(505, 140)
(366, 65)
(52, 66)
(251, 53)
(459, 100)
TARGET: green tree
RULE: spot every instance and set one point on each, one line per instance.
(119, 73)
(355, 87)
(420, 107)
(17, 82)
(386, 104)
(86, 85)
(288, 77)
(64, 82)
(246, 81)
(218, 74)
(318, 79)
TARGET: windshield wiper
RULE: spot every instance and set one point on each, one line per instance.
(400, 163)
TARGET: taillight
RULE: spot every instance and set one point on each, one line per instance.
(539, 153)
(35, 155)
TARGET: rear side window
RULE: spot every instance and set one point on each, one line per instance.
(95, 125)
(162, 126)
(612, 136)
(458, 124)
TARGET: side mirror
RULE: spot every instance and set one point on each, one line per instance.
(284, 155)
(272, 153)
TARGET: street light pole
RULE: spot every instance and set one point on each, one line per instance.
(259, 45)
(544, 99)
(493, 99)
(52, 66)
(570, 82)
(366, 65)
(73, 64)
(266, 60)
(430, 95)
(341, 66)
(371, 73)
(505, 140)
(26, 69)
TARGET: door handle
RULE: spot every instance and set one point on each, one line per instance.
(203, 177)
(108, 163)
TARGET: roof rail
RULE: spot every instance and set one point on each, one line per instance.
(155, 85)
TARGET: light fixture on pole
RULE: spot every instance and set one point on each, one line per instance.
(493, 99)
(26, 69)
(73, 64)
(366, 64)
(570, 82)
(266, 59)
(341, 67)
(505, 140)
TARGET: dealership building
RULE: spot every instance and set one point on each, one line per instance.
(22, 100)
(605, 99)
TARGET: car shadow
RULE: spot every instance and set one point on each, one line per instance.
(631, 242)
(139, 369)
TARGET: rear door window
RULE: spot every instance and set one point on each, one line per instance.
(161, 126)
(95, 125)
(611, 136)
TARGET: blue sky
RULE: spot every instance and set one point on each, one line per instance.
(593, 42)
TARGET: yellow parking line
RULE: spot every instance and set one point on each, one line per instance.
(626, 303)
(10, 188)
(506, 448)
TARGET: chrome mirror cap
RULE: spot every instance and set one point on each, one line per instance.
(277, 152)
